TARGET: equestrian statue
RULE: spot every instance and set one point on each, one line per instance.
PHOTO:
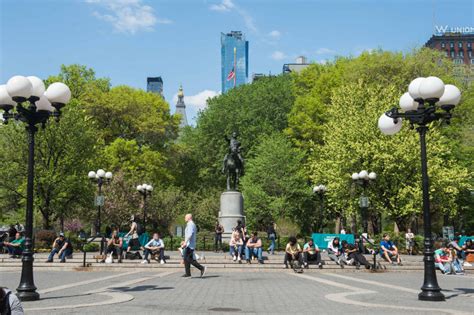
(233, 165)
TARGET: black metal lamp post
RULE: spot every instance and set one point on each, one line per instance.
(363, 178)
(101, 178)
(428, 100)
(320, 190)
(145, 190)
(33, 106)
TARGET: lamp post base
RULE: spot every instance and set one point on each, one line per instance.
(28, 295)
(429, 295)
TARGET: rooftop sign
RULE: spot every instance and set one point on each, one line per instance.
(447, 29)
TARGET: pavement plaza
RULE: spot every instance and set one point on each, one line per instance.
(250, 291)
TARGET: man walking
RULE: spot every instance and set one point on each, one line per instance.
(188, 247)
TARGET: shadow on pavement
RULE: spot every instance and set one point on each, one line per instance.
(64, 296)
(206, 277)
(141, 288)
(458, 292)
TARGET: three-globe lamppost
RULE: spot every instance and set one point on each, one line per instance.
(320, 191)
(363, 178)
(100, 177)
(26, 99)
(427, 100)
(144, 190)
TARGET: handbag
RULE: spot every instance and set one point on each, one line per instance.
(109, 259)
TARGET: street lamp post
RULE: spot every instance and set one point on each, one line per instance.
(145, 190)
(100, 177)
(320, 190)
(33, 105)
(363, 178)
(427, 100)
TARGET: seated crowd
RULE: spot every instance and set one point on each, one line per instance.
(449, 257)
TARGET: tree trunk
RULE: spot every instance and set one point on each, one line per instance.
(396, 230)
(353, 224)
(61, 222)
(337, 228)
(45, 214)
(370, 226)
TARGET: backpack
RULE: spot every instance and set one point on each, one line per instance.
(133, 256)
(5, 304)
(140, 230)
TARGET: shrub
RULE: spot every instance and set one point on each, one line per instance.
(91, 247)
(73, 225)
(287, 227)
(44, 238)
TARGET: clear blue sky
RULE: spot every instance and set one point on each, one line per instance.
(128, 40)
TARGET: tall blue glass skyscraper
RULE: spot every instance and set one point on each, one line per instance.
(154, 85)
(234, 60)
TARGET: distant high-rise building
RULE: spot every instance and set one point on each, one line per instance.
(181, 108)
(234, 60)
(155, 85)
(457, 46)
(300, 64)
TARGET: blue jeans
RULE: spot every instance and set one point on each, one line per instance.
(272, 243)
(12, 250)
(160, 252)
(444, 267)
(237, 252)
(249, 252)
(64, 254)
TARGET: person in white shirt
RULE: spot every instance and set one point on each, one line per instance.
(189, 245)
(311, 254)
(235, 247)
(156, 247)
(335, 252)
(409, 241)
(9, 303)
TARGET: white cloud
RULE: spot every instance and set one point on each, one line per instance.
(278, 55)
(127, 16)
(225, 5)
(228, 5)
(274, 34)
(198, 101)
(325, 51)
(360, 49)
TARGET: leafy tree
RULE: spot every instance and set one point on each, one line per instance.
(275, 185)
(314, 86)
(352, 142)
(138, 163)
(132, 114)
(256, 109)
(63, 153)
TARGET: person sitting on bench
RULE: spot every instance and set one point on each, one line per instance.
(311, 254)
(388, 251)
(115, 246)
(354, 255)
(156, 247)
(61, 246)
(293, 254)
(235, 247)
(15, 247)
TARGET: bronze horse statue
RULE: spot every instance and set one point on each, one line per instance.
(233, 168)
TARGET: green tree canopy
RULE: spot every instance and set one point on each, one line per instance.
(274, 186)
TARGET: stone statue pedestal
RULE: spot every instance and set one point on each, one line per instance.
(231, 210)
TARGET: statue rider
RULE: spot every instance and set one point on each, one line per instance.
(234, 146)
